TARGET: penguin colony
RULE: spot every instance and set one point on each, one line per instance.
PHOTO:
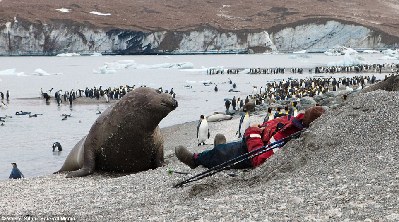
(373, 68)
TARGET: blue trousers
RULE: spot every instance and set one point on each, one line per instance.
(222, 153)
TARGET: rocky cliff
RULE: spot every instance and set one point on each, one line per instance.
(26, 38)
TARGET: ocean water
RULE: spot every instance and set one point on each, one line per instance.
(28, 141)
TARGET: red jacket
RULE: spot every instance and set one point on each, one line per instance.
(256, 138)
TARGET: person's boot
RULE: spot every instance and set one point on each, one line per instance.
(185, 156)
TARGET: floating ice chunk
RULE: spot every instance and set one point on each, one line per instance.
(11, 72)
(390, 52)
(196, 70)
(121, 64)
(7, 72)
(104, 70)
(182, 65)
(100, 13)
(63, 10)
(340, 50)
(185, 65)
(112, 67)
(389, 57)
(40, 72)
(348, 61)
(349, 51)
(96, 54)
(370, 51)
(300, 52)
(332, 53)
(68, 54)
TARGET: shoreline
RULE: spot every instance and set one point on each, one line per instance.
(79, 100)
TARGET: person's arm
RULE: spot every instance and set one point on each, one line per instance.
(253, 140)
(288, 130)
(253, 136)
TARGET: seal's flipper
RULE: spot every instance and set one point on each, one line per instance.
(80, 173)
(74, 160)
(88, 162)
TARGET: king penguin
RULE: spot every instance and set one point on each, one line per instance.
(293, 111)
(106, 97)
(255, 90)
(269, 115)
(202, 130)
(244, 124)
(3, 105)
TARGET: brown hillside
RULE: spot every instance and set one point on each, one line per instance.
(190, 14)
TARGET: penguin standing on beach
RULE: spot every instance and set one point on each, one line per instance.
(234, 103)
(293, 111)
(244, 123)
(241, 102)
(3, 105)
(255, 90)
(106, 97)
(269, 115)
(202, 130)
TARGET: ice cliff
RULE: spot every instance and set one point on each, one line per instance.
(26, 38)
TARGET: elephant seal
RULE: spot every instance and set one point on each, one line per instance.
(125, 138)
(217, 117)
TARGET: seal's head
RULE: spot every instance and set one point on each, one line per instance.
(312, 114)
(150, 105)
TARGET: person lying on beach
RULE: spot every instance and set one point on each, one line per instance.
(255, 137)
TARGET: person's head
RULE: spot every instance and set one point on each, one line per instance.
(219, 139)
(14, 164)
(312, 114)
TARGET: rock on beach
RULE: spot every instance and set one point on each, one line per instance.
(345, 167)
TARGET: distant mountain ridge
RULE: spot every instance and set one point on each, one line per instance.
(49, 27)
